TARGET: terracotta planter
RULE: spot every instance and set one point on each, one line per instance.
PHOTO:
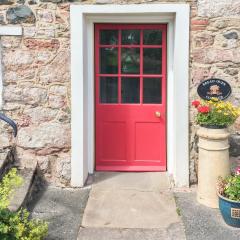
(213, 161)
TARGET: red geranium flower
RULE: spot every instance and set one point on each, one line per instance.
(196, 103)
(204, 109)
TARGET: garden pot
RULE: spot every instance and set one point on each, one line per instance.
(230, 211)
(213, 161)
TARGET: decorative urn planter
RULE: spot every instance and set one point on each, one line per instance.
(213, 161)
(230, 211)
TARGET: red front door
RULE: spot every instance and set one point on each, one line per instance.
(130, 79)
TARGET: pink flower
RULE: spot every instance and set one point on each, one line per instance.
(237, 171)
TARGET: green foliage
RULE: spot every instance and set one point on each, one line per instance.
(230, 187)
(9, 183)
(17, 225)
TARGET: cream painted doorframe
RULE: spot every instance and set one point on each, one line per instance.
(82, 20)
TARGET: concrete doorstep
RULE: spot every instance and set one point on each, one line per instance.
(131, 206)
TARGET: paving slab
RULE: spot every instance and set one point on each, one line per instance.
(142, 181)
(203, 223)
(62, 208)
(174, 232)
(131, 200)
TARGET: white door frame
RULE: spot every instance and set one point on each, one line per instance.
(82, 19)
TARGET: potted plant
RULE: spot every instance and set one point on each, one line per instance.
(213, 116)
(228, 190)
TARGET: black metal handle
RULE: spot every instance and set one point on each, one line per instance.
(10, 122)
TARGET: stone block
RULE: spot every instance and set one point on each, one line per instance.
(26, 95)
(39, 44)
(40, 114)
(216, 8)
(45, 16)
(58, 70)
(58, 90)
(63, 168)
(210, 55)
(234, 142)
(204, 39)
(20, 14)
(18, 57)
(52, 136)
(56, 101)
(6, 2)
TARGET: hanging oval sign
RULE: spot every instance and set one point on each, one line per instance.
(214, 87)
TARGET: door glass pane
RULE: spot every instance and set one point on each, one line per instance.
(152, 37)
(108, 89)
(130, 90)
(130, 37)
(130, 60)
(152, 60)
(109, 37)
(108, 60)
(152, 90)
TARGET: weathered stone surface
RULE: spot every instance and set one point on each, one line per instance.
(6, 2)
(234, 141)
(203, 40)
(104, 1)
(20, 14)
(225, 41)
(14, 76)
(58, 90)
(58, 70)
(45, 16)
(44, 57)
(46, 32)
(231, 35)
(237, 122)
(46, 135)
(63, 168)
(211, 55)
(40, 114)
(56, 101)
(38, 44)
(10, 42)
(53, 1)
(29, 31)
(199, 73)
(2, 18)
(25, 95)
(44, 163)
(64, 117)
(5, 138)
(17, 57)
(216, 8)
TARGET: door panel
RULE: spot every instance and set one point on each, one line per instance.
(130, 85)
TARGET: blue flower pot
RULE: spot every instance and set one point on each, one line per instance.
(230, 211)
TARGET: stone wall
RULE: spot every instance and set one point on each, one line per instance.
(37, 78)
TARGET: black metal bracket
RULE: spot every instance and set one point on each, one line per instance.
(10, 122)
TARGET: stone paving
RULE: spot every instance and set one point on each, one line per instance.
(131, 206)
(64, 208)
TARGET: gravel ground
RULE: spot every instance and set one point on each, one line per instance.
(62, 208)
(203, 223)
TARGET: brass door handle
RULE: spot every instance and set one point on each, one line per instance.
(158, 114)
